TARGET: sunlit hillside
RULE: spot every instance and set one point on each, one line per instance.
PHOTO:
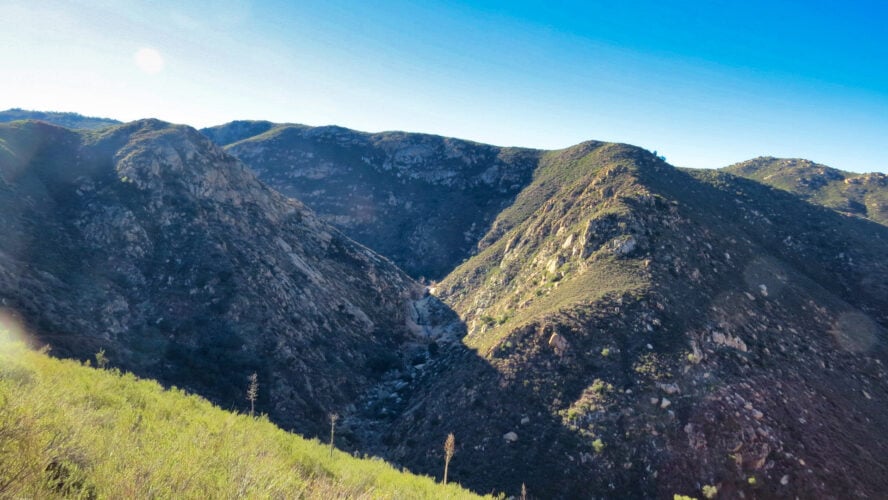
(73, 431)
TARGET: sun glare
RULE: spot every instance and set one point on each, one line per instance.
(149, 60)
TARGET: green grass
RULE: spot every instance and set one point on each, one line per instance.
(70, 431)
(608, 277)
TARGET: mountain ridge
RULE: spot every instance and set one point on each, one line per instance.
(589, 219)
(62, 119)
(198, 274)
(861, 194)
(362, 195)
(636, 283)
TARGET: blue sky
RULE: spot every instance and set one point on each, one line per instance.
(705, 83)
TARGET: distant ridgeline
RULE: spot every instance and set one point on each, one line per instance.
(864, 195)
(426, 201)
(421, 200)
(68, 120)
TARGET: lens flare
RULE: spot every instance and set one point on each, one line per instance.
(765, 276)
(11, 330)
(855, 332)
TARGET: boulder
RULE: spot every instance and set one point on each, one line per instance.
(623, 245)
(558, 343)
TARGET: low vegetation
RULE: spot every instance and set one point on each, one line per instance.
(543, 254)
(68, 430)
(68, 120)
(862, 195)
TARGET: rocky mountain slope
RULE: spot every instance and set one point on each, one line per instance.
(237, 131)
(635, 330)
(631, 330)
(421, 200)
(67, 120)
(865, 195)
(150, 243)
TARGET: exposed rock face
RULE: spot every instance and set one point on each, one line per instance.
(423, 201)
(559, 343)
(432, 320)
(148, 241)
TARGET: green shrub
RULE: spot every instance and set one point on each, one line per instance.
(599, 445)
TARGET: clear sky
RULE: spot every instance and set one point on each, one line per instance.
(705, 83)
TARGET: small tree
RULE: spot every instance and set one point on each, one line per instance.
(333, 418)
(449, 450)
(253, 392)
(101, 359)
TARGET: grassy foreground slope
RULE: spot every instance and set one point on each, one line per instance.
(69, 431)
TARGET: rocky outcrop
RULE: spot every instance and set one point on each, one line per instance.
(430, 319)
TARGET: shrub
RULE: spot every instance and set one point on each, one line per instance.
(599, 445)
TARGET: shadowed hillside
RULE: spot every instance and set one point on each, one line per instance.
(421, 200)
(615, 327)
(149, 242)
